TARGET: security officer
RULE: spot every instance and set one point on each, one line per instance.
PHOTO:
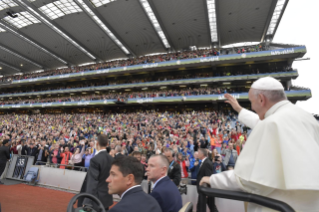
(4, 156)
(174, 169)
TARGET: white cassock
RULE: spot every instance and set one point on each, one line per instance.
(280, 159)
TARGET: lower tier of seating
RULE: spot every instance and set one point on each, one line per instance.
(300, 94)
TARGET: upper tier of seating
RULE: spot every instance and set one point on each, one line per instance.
(172, 59)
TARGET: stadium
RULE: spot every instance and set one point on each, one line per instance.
(147, 75)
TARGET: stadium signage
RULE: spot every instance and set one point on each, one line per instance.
(65, 76)
(236, 96)
(103, 71)
(144, 100)
(15, 106)
(209, 59)
(84, 103)
(30, 80)
(284, 51)
(45, 104)
(150, 65)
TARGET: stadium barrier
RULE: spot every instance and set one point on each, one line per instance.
(18, 166)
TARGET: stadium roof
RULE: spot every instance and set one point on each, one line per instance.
(48, 34)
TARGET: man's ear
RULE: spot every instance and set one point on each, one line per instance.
(130, 179)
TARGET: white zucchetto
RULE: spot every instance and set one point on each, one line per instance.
(267, 83)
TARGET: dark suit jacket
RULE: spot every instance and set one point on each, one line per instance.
(118, 155)
(33, 152)
(167, 195)
(24, 150)
(206, 169)
(174, 173)
(136, 200)
(94, 183)
(4, 156)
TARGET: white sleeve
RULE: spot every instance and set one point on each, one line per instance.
(249, 118)
(226, 180)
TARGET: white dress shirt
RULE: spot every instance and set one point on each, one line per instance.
(158, 181)
(99, 151)
(202, 162)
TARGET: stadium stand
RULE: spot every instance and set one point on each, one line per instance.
(145, 102)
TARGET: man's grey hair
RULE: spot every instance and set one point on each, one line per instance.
(118, 148)
(170, 150)
(272, 95)
(162, 159)
(204, 151)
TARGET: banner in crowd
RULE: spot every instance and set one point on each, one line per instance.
(160, 83)
(199, 98)
(151, 66)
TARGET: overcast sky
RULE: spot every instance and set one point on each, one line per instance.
(299, 25)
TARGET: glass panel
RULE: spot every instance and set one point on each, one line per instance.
(212, 20)
(5, 4)
(60, 8)
(98, 3)
(275, 17)
(24, 19)
(155, 23)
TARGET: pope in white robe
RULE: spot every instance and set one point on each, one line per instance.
(281, 156)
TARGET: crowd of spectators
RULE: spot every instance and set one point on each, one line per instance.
(126, 95)
(70, 139)
(139, 79)
(136, 61)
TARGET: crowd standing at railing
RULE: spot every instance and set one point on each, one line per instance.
(70, 139)
(126, 95)
(137, 61)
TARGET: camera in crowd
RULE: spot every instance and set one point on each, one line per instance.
(182, 189)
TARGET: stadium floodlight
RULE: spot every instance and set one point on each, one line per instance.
(101, 25)
(155, 22)
(24, 19)
(5, 4)
(2, 30)
(275, 16)
(32, 43)
(211, 7)
(60, 8)
(54, 28)
(19, 56)
(98, 3)
(14, 68)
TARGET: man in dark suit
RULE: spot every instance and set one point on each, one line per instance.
(164, 190)
(174, 169)
(99, 170)
(118, 151)
(206, 169)
(32, 150)
(125, 178)
(4, 156)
